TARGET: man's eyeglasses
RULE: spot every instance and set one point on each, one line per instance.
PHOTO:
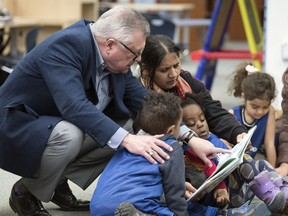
(134, 53)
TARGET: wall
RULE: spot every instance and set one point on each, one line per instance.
(53, 15)
(276, 34)
(54, 9)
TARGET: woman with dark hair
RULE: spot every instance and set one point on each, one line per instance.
(160, 71)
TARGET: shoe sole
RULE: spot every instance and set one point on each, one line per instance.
(126, 209)
(66, 208)
(12, 205)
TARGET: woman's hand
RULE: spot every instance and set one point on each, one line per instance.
(240, 137)
(147, 146)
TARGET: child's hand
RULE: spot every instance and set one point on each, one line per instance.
(282, 169)
(190, 190)
(221, 196)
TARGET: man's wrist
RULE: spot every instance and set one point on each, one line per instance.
(189, 136)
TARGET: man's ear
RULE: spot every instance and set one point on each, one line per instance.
(109, 43)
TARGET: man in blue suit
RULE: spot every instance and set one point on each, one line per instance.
(72, 84)
(60, 106)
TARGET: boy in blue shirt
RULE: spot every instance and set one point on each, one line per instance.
(130, 177)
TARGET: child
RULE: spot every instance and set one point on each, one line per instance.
(196, 173)
(130, 177)
(282, 157)
(257, 91)
(261, 178)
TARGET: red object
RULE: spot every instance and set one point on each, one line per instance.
(225, 54)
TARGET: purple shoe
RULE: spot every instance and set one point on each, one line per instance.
(282, 184)
(268, 192)
(279, 181)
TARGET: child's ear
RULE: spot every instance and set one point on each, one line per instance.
(243, 97)
(171, 129)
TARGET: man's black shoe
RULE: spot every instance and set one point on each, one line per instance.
(25, 204)
(64, 198)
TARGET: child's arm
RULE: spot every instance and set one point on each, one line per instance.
(282, 169)
(173, 178)
(220, 194)
(269, 139)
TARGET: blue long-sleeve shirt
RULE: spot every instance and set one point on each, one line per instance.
(130, 177)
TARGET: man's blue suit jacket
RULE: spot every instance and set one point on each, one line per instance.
(55, 82)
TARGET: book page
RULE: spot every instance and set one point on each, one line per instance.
(237, 151)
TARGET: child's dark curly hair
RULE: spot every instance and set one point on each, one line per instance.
(158, 112)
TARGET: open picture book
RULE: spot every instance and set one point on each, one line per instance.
(227, 164)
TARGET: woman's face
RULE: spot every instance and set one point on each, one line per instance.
(167, 73)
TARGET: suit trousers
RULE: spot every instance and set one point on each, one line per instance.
(69, 154)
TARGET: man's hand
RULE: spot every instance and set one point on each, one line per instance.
(205, 150)
(147, 146)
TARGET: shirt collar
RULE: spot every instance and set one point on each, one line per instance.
(100, 64)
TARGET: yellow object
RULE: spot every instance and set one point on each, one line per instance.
(252, 28)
